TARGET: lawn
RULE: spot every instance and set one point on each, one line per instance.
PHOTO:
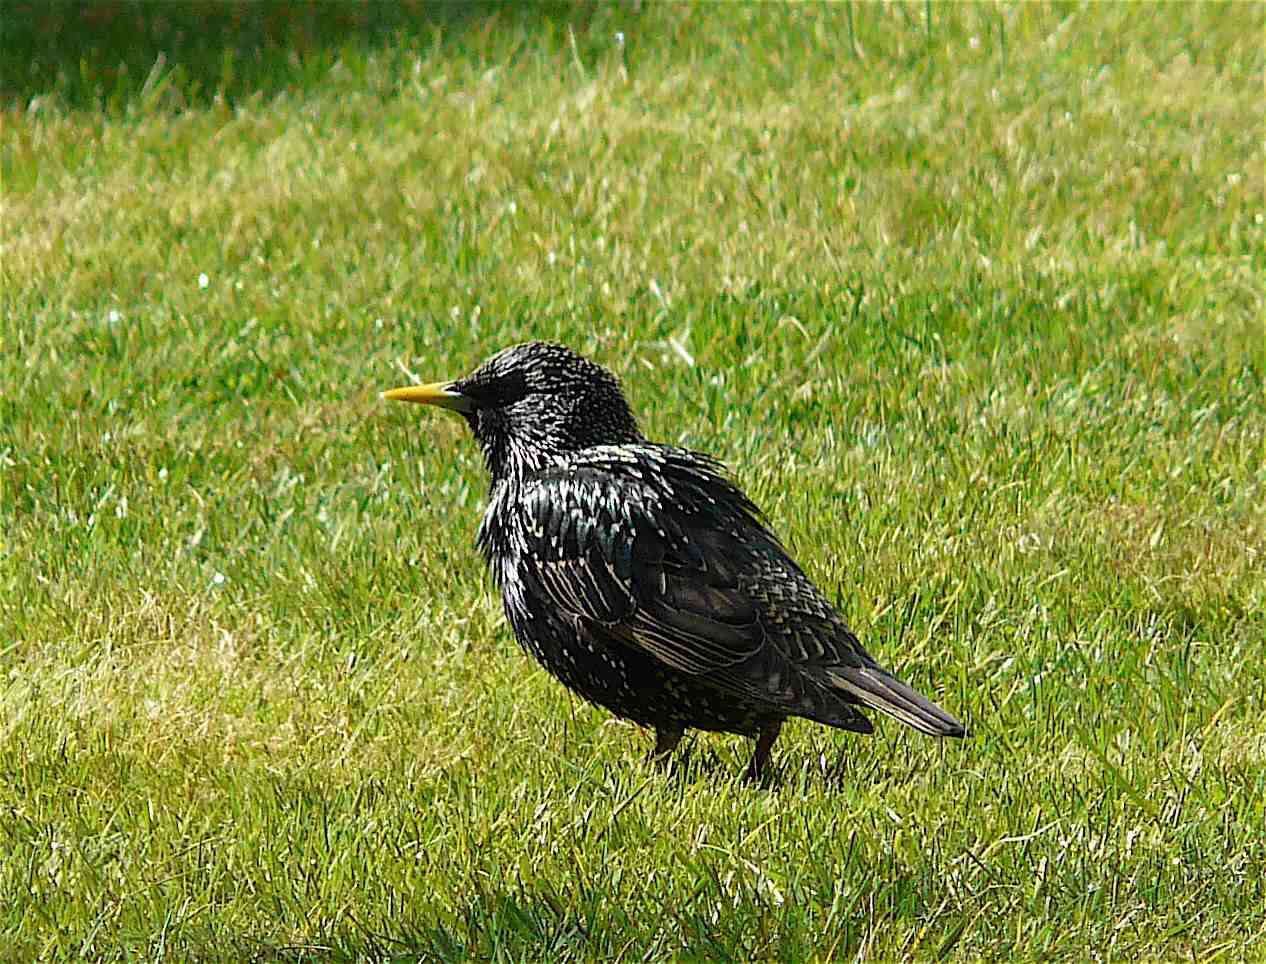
(969, 298)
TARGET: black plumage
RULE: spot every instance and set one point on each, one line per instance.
(644, 579)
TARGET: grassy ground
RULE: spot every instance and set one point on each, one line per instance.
(973, 306)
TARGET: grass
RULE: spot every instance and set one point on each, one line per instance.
(970, 298)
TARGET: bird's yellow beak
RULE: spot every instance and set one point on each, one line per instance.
(436, 393)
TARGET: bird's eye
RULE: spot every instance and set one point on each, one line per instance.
(498, 391)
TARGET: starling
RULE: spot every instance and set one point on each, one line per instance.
(642, 578)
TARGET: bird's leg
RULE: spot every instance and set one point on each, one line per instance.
(666, 740)
(764, 743)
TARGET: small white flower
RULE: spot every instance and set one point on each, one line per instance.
(114, 317)
(162, 474)
(619, 38)
(217, 579)
(551, 258)
(454, 312)
(203, 280)
(974, 43)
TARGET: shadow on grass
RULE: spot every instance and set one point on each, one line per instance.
(535, 922)
(505, 924)
(117, 55)
(849, 767)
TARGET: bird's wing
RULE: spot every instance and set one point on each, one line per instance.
(610, 548)
(687, 573)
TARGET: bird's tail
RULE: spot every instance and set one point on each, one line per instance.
(880, 690)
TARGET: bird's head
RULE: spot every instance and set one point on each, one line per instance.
(531, 405)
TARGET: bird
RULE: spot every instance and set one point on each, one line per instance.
(642, 577)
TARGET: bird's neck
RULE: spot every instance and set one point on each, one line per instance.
(513, 457)
(510, 461)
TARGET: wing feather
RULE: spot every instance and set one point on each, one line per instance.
(598, 547)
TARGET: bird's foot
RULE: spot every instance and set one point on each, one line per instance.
(666, 741)
(764, 743)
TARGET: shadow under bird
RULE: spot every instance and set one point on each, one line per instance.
(642, 578)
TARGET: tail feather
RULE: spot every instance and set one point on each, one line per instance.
(873, 687)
